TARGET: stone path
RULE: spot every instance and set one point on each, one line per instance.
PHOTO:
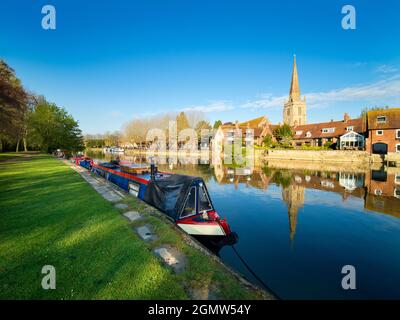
(121, 206)
(132, 215)
(145, 233)
(170, 256)
(102, 186)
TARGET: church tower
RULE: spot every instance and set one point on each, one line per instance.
(294, 111)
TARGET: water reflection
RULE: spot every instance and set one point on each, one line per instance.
(299, 223)
(379, 188)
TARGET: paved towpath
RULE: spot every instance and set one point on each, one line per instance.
(107, 190)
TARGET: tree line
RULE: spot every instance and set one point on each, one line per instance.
(134, 132)
(30, 122)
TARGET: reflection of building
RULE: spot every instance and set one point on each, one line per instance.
(383, 187)
(378, 189)
(293, 195)
(351, 181)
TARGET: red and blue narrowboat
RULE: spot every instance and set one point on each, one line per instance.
(184, 199)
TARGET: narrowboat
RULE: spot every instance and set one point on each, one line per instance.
(183, 199)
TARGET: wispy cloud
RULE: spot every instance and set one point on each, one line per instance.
(385, 68)
(212, 106)
(383, 89)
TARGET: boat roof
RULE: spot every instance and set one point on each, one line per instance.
(169, 194)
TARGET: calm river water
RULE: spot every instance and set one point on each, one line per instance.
(299, 224)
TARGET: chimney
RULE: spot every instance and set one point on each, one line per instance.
(346, 117)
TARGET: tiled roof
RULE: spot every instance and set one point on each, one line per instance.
(340, 128)
(392, 119)
(253, 123)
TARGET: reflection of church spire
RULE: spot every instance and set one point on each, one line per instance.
(293, 210)
(293, 195)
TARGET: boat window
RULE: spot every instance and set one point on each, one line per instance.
(190, 205)
(204, 202)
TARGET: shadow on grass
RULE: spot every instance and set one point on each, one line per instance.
(53, 217)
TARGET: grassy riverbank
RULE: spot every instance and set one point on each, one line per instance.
(50, 216)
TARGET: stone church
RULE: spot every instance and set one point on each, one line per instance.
(294, 111)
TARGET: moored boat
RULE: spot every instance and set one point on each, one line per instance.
(183, 199)
(135, 168)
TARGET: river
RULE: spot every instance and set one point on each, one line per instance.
(298, 225)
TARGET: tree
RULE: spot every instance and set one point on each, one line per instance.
(284, 135)
(112, 138)
(217, 124)
(13, 106)
(267, 141)
(182, 122)
(51, 128)
(203, 124)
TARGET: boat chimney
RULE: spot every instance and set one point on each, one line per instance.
(153, 170)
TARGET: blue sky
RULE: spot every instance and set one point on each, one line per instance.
(110, 61)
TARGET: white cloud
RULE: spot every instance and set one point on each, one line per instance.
(385, 68)
(213, 106)
(383, 89)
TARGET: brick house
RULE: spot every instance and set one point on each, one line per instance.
(317, 134)
(383, 131)
(227, 131)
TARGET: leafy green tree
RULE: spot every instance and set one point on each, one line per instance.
(267, 141)
(51, 128)
(13, 106)
(284, 135)
(217, 124)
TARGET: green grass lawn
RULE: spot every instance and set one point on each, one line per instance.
(50, 216)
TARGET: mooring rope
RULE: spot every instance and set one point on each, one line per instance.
(253, 273)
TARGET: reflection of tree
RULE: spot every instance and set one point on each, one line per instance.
(283, 178)
(267, 171)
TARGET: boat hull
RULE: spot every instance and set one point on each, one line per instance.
(195, 225)
(203, 229)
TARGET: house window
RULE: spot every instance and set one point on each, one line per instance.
(299, 110)
(398, 147)
(350, 128)
(328, 130)
(397, 193)
(379, 132)
(298, 133)
(381, 119)
(397, 178)
(378, 192)
(398, 134)
(308, 134)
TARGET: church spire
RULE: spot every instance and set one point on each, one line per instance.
(294, 93)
